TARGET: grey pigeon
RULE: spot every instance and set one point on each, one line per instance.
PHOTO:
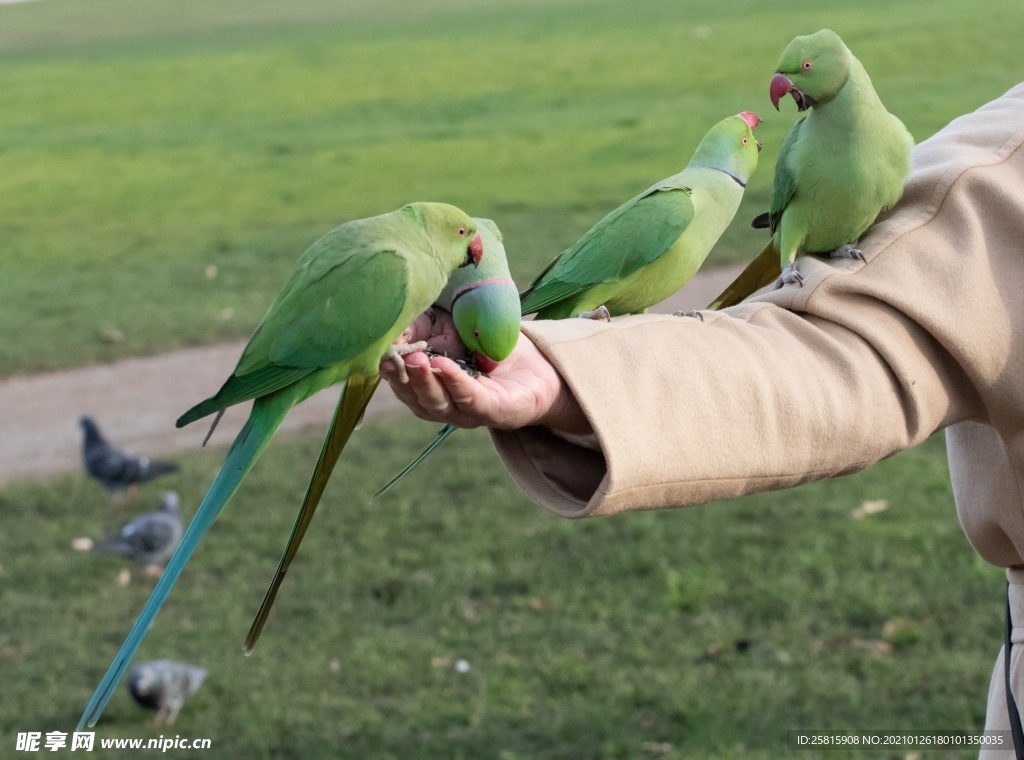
(114, 468)
(150, 538)
(163, 685)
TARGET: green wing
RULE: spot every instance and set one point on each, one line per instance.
(629, 238)
(785, 179)
(336, 316)
(336, 305)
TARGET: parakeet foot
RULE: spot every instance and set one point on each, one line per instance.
(601, 312)
(397, 351)
(848, 251)
(692, 313)
(790, 276)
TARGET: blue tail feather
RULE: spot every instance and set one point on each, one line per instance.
(266, 415)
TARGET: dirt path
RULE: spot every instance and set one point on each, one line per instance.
(136, 401)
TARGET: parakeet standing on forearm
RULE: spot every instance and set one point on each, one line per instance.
(653, 244)
(353, 293)
(840, 165)
(484, 304)
(647, 248)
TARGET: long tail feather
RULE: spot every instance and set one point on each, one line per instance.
(357, 394)
(263, 421)
(443, 433)
(762, 271)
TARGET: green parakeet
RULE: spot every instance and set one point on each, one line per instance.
(651, 245)
(352, 294)
(840, 165)
(647, 248)
(484, 304)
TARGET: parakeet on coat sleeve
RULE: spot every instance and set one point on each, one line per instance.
(653, 244)
(840, 165)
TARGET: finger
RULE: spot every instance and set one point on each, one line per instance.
(390, 372)
(431, 395)
(448, 344)
(466, 394)
(421, 328)
(441, 321)
(445, 338)
(418, 374)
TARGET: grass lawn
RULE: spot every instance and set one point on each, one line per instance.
(163, 164)
(702, 633)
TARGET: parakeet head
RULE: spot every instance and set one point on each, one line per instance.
(452, 232)
(813, 69)
(729, 146)
(485, 303)
(487, 317)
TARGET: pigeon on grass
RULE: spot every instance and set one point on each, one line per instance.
(111, 466)
(149, 539)
(164, 685)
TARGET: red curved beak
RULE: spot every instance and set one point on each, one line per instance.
(476, 250)
(485, 364)
(780, 86)
(751, 118)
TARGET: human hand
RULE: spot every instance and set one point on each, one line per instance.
(524, 389)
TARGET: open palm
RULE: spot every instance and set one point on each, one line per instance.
(524, 389)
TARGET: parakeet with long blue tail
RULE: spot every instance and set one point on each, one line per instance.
(484, 304)
(839, 166)
(351, 296)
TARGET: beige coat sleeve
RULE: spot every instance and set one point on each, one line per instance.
(864, 360)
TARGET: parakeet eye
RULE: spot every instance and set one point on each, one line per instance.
(743, 140)
(462, 231)
(807, 65)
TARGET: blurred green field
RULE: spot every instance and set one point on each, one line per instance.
(143, 143)
(703, 633)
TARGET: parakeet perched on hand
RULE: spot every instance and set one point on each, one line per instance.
(647, 248)
(484, 304)
(352, 295)
(653, 244)
(840, 165)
